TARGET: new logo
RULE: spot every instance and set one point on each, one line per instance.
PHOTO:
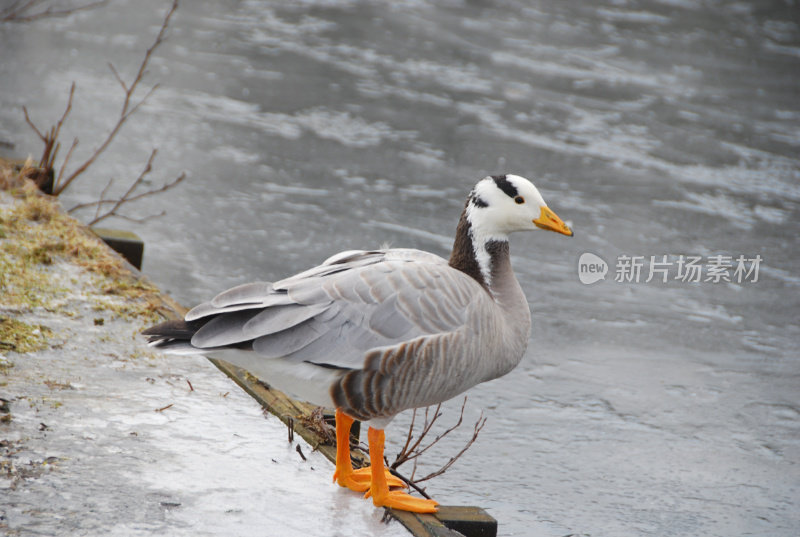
(591, 268)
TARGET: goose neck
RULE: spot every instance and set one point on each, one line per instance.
(483, 256)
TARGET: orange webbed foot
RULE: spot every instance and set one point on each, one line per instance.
(359, 480)
(379, 486)
(404, 502)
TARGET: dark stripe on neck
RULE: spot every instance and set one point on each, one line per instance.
(503, 184)
(463, 255)
(499, 254)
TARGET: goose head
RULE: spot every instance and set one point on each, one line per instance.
(502, 204)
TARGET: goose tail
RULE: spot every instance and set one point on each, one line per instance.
(175, 337)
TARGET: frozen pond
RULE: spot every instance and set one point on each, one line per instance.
(658, 128)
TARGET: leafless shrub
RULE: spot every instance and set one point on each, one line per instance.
(29, 10)
(414, 446)
(130, 195)
(131, 103)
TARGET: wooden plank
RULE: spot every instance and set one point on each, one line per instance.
(125, 243)
(467, 520)
(448, 521)
(286, 409)
(423, 525)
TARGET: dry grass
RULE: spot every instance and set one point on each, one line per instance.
(36, 235)
(21, 337)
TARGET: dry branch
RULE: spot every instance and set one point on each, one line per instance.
(475, 431)
(413, 449)
(128, 197)
(50, 141)
(20, 11)
(316, 422)
(129, 107)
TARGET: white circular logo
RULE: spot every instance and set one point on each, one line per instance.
(591, 268)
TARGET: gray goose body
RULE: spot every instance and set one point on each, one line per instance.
(373, 333)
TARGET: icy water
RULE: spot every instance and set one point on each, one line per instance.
(657, 128)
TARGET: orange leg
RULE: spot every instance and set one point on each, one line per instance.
(345, 475)
(379, 488)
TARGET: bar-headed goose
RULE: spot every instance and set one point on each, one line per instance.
(373, 333)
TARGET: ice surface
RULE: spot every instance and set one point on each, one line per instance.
(108, 438)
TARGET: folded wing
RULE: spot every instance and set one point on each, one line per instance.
(332, 314)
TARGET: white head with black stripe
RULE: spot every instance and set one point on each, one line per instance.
(502, 204)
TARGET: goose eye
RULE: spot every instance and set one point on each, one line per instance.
(520, 200)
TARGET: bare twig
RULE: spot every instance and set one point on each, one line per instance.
(34, 127)
(316, 422)
(19, 12)
(414, 451)
(476, 430)
(102, 200)
(409, 436)
(136, 220)
(420, 451)
(410, 482)
(411, 451)
(50, 140)
(129, 107)
(119, 78)
(128, 196)
(69, 155)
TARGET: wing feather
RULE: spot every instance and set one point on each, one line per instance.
(324, 351)
(278, 318)
(248, 293)
(388, 321)
(380, 289)
(206, 308)
(285, 342)
(375, 306)
(243, 297)
(223, 330)
(333, 314)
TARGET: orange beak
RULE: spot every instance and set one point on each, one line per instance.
(550, 221)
